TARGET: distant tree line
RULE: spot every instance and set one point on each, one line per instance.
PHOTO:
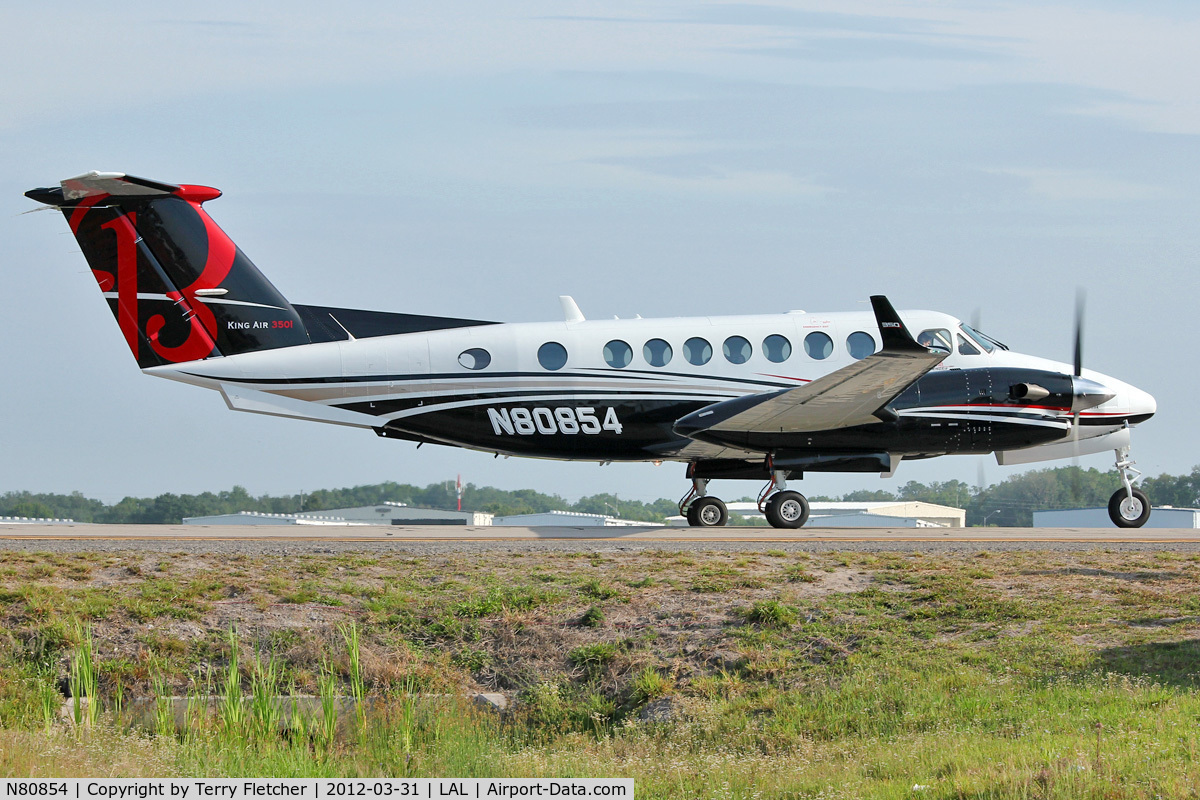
(171, 508)
(1010, 503)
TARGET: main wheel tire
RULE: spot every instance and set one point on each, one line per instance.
(767, 506)
(1129, 512)
(707, 512)
(787, 510)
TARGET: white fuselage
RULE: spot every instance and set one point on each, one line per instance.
(374, 382)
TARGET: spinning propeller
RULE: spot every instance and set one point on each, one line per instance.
(1080, 302)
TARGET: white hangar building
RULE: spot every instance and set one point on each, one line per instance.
(403, 514)
(876, 514)
(379, 514)
(570, 519)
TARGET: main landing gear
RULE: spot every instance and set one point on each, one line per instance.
(701, 510)
(1128, 507)
(783, 508)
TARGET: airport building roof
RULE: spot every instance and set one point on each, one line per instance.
(257, 518)
(378, 514)
(389, 513)
(875, 514)
(570, 519)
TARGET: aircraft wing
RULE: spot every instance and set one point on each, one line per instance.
(853, 395)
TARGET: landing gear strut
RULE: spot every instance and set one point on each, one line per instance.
(1128, 507)
(785, 508)
(782, 507)
(701, 510)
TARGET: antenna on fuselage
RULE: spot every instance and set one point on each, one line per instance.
(570, 309)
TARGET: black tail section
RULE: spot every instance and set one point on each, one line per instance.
(180, 289)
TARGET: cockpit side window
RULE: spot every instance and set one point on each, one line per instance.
(937, 339)
(965, 348)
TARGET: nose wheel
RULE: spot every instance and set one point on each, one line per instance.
(1128, 507)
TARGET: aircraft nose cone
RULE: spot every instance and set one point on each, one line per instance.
(1089, 393)
(1142, 404)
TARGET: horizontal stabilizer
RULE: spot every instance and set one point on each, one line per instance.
(101, 184)
(240, 398)
(115, 184)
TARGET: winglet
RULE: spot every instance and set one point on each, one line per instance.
(892, 331)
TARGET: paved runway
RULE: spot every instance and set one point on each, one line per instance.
(455, 533)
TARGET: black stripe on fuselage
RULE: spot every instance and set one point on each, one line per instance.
(514, 396)
(752, 381)
(478, 376)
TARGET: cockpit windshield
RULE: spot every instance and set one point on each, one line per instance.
(982, 339)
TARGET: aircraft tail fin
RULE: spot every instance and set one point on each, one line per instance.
(180, 289)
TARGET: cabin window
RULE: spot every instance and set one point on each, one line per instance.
(860, 344)
(737, 350)
(965, 348)
(657, 353)
(936, 339)
(818, 345)
(777, 348)
(697, 351)
(618, 354)
(552, 355)
(475, 358)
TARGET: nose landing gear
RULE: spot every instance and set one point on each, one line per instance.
(1128, 507)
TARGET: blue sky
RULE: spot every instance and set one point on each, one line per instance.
(655, 158)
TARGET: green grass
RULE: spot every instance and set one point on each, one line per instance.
(598, 591)
(499, 600)
(648, 684)
(592, 618)
(593, 655)
(771, 614)
(797, 573)
(706, 584)
(1032, 675)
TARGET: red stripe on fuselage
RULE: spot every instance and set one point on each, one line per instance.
(785, 377)
(1062, 409)
(1059, 409)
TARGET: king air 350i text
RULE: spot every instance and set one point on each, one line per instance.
(766, 397)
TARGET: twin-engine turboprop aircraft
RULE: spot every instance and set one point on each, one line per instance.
(766, 397)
